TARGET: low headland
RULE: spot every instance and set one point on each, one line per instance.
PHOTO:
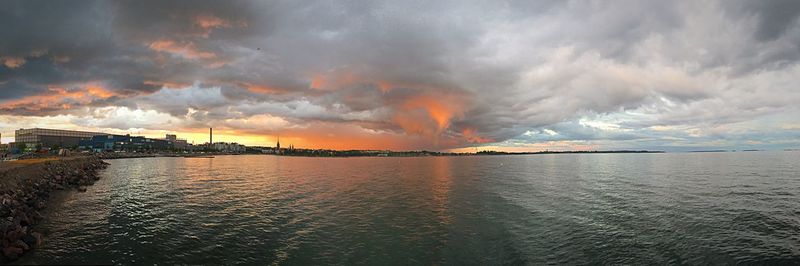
(26, 187)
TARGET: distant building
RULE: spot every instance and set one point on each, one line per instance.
(176, 143)
(270, 150)
(51, 138)
(228, 147)
(101, 143)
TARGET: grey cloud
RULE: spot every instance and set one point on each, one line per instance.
(775, 17)
(16, 89)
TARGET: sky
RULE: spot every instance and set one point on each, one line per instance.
(406, 75)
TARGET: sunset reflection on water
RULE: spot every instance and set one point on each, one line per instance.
(260, 209)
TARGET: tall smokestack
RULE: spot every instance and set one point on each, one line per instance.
(210, 135)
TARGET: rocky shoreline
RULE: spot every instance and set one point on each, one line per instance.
(25, 190)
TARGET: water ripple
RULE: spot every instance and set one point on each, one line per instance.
(722, 208)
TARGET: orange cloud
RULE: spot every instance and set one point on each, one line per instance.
(471, 136)
(98, 92)
(264, 89)
(59, 98)
(428, 114)
(335, 81)
(184, 49)
(12, 61)
(316, 135)
(345, 136)
(211, 21)
(385, 86)
(339, 136)
(208, 22)
(416, 113)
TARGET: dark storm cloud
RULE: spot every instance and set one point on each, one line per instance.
(65, 41)
(462, 70)
(775, 17)
(15, 89)
(54, 26)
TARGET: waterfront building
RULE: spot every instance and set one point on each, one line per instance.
(103, 143)
(51, 138)
(176, 143)
(270, 150)
(194, 148)
(228, 147)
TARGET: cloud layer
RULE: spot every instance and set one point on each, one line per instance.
(413, 74)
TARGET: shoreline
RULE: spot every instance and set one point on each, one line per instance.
(126, 155)
(28, 187)
(313, 153)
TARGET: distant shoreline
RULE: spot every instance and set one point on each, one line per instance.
(355, 153)
(564, 152)
(373, 153)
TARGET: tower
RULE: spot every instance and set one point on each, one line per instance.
(278, 145)
(210, 136)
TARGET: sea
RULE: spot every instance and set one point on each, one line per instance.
(572, 209)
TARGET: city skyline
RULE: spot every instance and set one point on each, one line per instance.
(441, 76)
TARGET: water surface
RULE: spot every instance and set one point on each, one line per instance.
(683, 208)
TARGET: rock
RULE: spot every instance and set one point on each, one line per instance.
(38, 238)
(24, 220)
(14, 235)
(12, 253)
(29, 240)
(5, 226)
(19, 205)
(21, 244)
(40, 204)
(37, 216)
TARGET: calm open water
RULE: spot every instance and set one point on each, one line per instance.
(682, 208)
